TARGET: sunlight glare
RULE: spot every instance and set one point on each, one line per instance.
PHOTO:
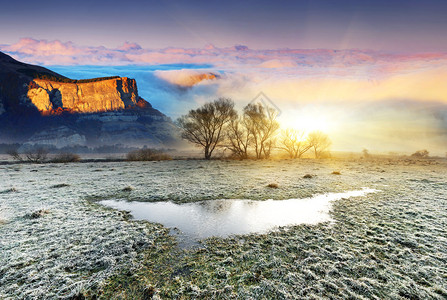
(308, 122)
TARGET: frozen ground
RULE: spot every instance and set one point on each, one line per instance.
(55, 241)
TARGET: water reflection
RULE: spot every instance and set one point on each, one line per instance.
(234, 216)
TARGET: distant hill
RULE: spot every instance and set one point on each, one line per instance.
(39, 106)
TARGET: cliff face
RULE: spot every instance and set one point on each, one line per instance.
(99, 96)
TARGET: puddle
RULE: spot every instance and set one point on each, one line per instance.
(226, 217)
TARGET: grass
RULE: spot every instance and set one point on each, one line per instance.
(390, 244)
(59, 185)
(372, 251)
(358, 257)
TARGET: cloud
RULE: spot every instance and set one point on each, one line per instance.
(127, 46)
(63, 53)
(299, 75)
(381, 101)
(29, 46)
(306, 61)
(276, 63)
(186, 78)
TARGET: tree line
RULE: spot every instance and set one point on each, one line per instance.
(254, 133)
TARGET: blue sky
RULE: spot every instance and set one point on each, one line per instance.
(166, 97)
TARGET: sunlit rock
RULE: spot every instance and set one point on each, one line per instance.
(98, 96)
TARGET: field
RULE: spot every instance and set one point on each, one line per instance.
(56, 241)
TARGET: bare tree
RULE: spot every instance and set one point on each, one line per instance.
(262, 126)
(37, 155)
(206, 125)
(238, 138)
(14, 154)
(319, 142)
(294, 142)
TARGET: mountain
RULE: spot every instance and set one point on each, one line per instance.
(39, 106)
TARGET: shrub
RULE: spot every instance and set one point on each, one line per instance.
(38, 214)
(59, 78)
(66, 157)
(147, 155)
(38, 155)
(366, 153)
(420, 154)
(127, 189)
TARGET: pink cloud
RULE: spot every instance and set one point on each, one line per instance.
(186, 78)
(127, 46)
(43, 48)
(276, 63)
(239, 58)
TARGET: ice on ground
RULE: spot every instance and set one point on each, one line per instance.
(226, 217)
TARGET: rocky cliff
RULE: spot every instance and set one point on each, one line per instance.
(99, 96)
(39, 106)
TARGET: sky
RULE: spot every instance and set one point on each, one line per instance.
(371, 74)
(393, 25)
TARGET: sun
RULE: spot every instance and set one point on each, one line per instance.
(311, 123)
(307, 123)
(311, 118)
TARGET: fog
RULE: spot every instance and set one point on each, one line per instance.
(376, 119)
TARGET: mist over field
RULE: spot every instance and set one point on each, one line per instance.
(395, 122)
